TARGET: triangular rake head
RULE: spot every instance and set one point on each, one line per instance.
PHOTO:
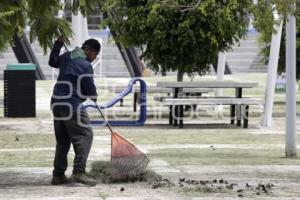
(126, 159)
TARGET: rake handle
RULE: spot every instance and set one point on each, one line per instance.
(102, 115)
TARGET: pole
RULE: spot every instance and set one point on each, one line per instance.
(77, 30)
(220, 77)
(291, 140)
(221, 71)
(272, 74)
(61, 12)
(80, 29)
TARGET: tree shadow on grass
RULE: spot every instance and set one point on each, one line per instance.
(23, 178)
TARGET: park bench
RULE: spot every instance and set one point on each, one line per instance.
(197, 92)
(245, 102)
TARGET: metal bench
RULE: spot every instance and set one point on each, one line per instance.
(232, 101)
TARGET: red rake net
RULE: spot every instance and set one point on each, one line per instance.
(126, 159)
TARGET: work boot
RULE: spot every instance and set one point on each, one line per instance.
(59, 180)
(84, 179)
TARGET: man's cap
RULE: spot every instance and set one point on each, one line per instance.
(92, 44)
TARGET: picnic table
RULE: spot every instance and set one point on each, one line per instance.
(234, 102)
(155, 89)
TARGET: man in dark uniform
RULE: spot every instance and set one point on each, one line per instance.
(74, 85)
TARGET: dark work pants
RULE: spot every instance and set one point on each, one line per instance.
(75, 130)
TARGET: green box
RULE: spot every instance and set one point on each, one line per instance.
(21, 66)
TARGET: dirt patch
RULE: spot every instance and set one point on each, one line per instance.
(101, 170)
(26, 125)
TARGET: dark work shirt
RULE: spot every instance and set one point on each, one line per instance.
(75, 81)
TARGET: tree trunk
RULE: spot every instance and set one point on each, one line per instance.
(272, 73)
(180, 76)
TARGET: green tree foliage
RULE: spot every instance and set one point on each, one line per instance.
(11, 19)
(41, 16)
(263, 22)
(183, 35)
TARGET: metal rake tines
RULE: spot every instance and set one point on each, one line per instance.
(126, 159)
(123, 167)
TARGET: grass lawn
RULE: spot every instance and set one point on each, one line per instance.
(158, 138)
(229, 157)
